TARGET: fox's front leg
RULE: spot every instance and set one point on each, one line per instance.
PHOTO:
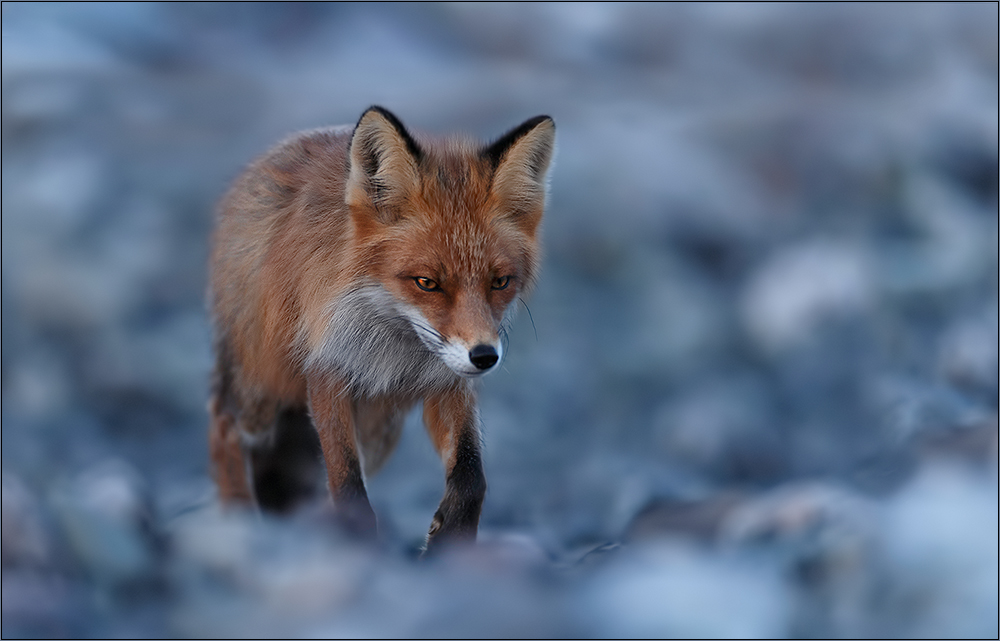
(330, 407)
(453, 425)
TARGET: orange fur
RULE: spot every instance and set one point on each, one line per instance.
(323, 254)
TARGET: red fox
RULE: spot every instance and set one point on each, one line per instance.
(355, 272)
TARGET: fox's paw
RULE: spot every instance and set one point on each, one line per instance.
(441, 535)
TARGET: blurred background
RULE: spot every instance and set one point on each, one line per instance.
(759, 396)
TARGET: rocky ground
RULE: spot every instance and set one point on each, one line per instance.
(758, 396)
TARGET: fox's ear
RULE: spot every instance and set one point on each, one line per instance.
(384, 158)
(520, 160)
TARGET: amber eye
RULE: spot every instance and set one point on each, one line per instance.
(427, 284)
(501, 283)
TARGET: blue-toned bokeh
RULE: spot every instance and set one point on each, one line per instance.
(756, 397)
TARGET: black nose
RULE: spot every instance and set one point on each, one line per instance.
(483, 356)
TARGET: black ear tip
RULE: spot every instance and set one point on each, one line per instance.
(495, 151)
(398, 125)
(382, 111)
(531, 123)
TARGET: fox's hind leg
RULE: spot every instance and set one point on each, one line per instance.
(261, 452)
(241, 437)
(225, 446)
(226, 451)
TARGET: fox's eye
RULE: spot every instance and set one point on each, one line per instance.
(427, 284)
(501, 283)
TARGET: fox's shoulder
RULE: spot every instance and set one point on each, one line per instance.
(334, 135)
(311, 161)
(308, 148)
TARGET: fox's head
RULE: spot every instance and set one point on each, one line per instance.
(449, 229)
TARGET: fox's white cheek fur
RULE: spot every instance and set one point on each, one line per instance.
(455, 355)
(376, 350)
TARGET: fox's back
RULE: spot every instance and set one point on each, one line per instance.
(283, 216)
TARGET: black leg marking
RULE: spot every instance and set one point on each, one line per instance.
(457, 518)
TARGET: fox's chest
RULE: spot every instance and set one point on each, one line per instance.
(375, 349)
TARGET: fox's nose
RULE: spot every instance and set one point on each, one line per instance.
(483, 356)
